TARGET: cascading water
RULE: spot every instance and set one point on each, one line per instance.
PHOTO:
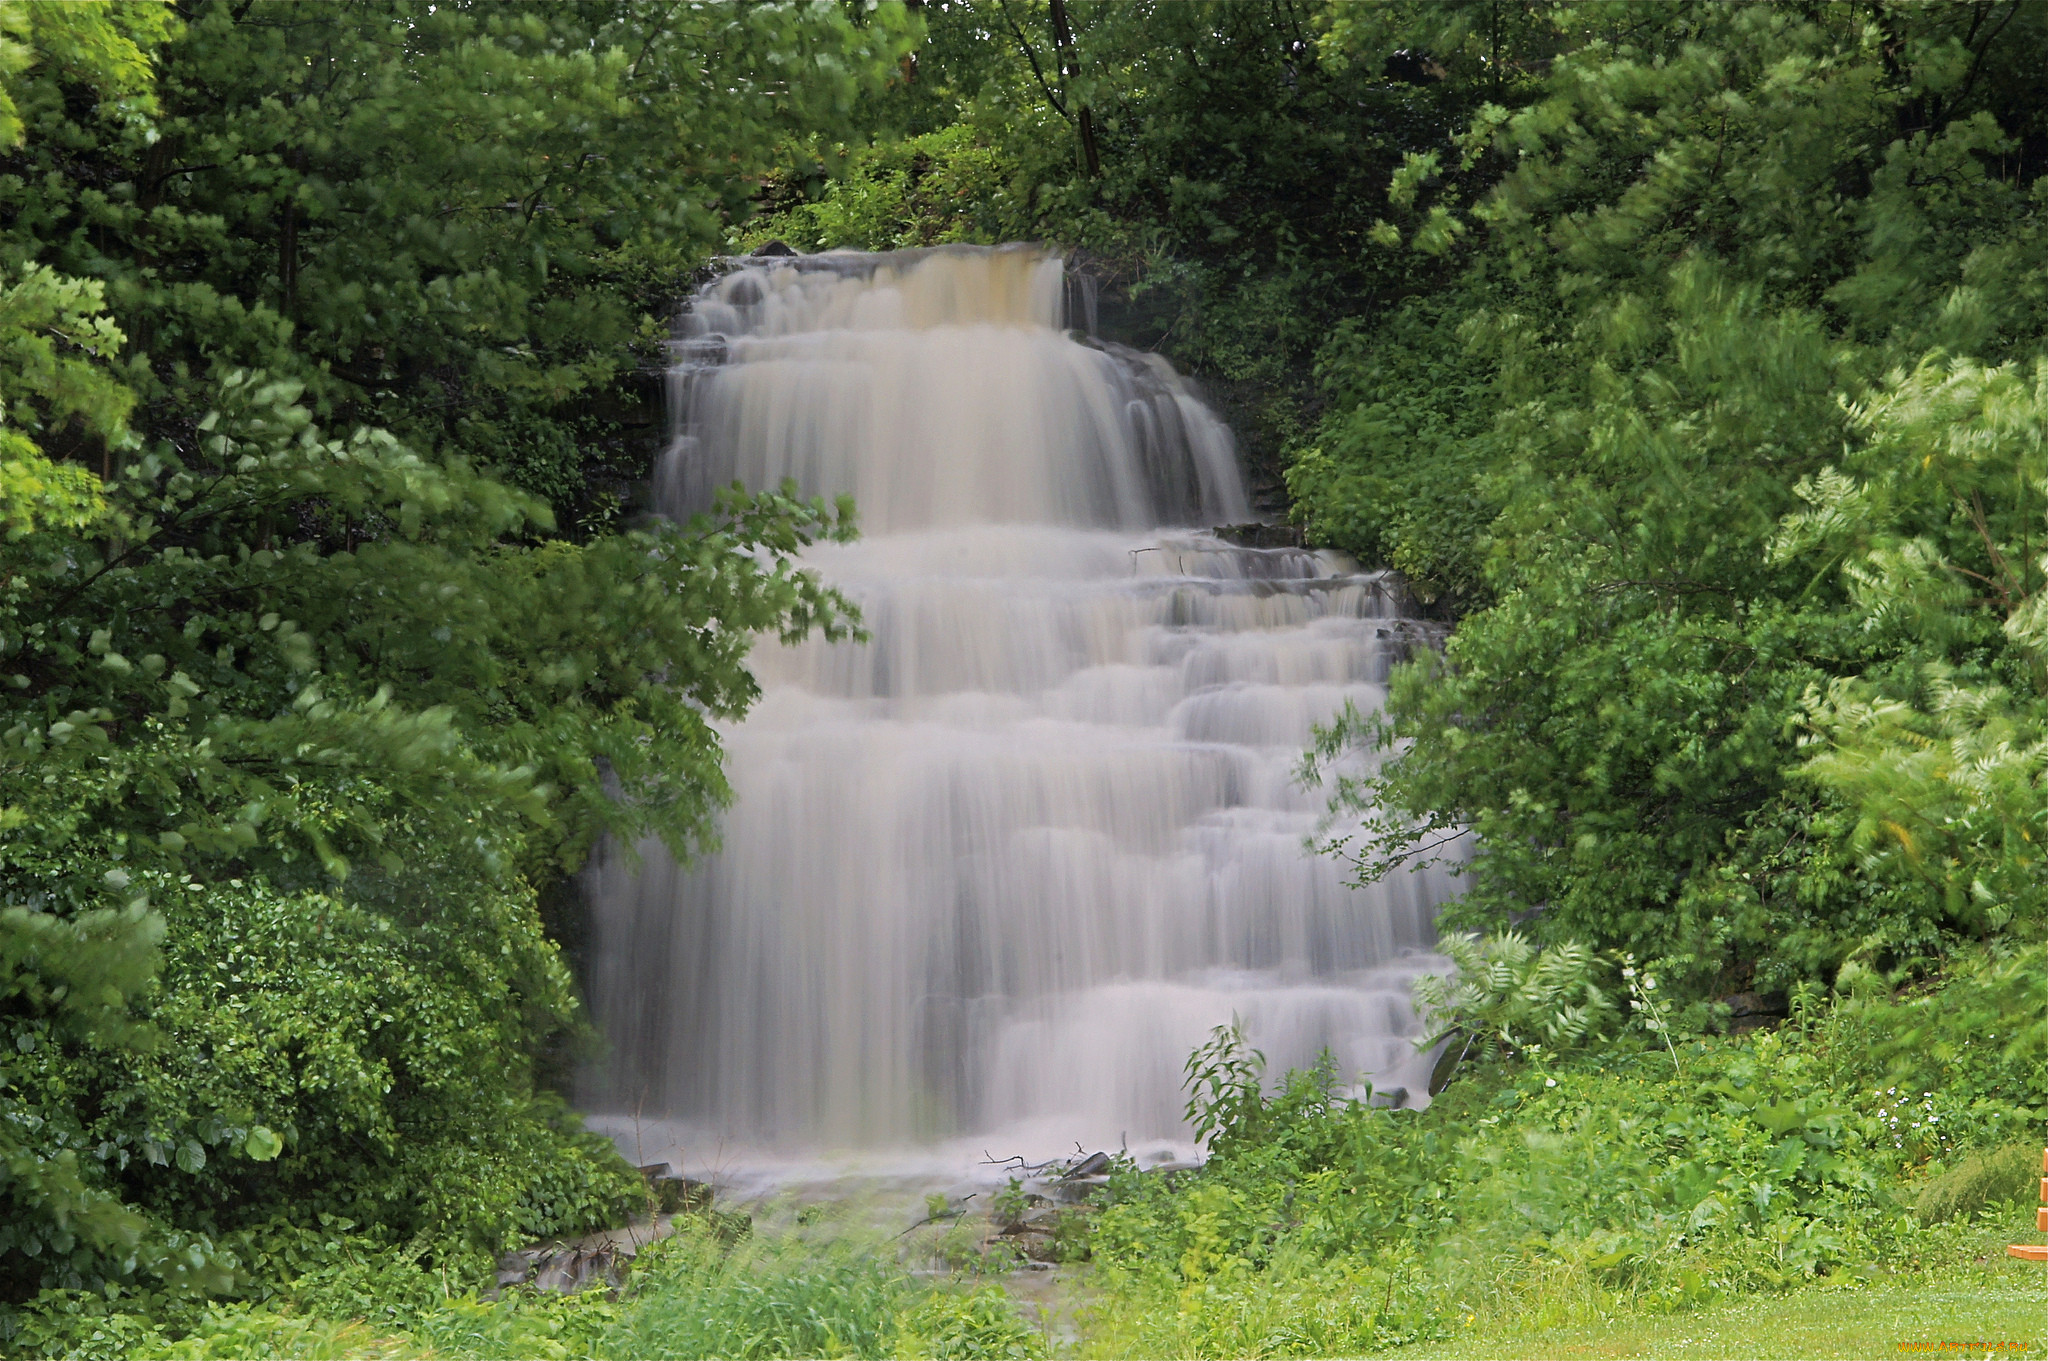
(1000, 869)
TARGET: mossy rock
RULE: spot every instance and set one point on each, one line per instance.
(2002, 1177)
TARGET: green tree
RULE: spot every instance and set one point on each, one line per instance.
(1943, 747)
(1710, 233)
(55, 341)
(295, 724)
(457, 222)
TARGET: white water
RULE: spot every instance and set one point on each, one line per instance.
(993, 875)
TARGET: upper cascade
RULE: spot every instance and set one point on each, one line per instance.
(904, 290)
(937, 388)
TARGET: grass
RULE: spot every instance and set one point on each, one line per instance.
(2000, 1303)
(792, 1298)
(1963, 1298)
(761, 1303)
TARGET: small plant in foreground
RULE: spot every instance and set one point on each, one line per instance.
(1506, 994)
(1642, 990)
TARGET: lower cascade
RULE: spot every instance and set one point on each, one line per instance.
(997, 871)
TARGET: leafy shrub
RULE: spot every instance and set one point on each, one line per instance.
(85, 1325)
(1944, 756)
(942, 187)
(1229, 1105)
(294, 726)
(1982, 1034)
(2000, 1177)
(967, 1326)
(269, 937)
(1009, 1205)
(1749, 671)
(281, 1024)
(1394, 474)
(1506, 992)
(325, 1292)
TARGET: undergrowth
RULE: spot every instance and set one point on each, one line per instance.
(694, 1294)
(1865, 1137)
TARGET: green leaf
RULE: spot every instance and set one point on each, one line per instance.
(263, 1144)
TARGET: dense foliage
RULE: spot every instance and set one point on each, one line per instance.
(455, 222)
(1735, 378)
(322, 651)
(338, 1294)
(1227, 204)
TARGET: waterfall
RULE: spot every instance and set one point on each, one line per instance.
(1002, 867)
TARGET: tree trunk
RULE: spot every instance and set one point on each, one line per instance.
(1070, 67)
(288, 241)
(909, 65)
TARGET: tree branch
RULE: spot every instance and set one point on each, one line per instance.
(1984, 50)
(1024, 44)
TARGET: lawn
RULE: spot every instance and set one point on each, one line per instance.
(1995, 1308)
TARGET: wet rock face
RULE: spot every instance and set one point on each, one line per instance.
(1753, 1011)
(1257, 535)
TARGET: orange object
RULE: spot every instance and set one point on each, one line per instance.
(2036, 1252)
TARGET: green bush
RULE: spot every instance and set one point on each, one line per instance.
(1395, 474)
(1980, 1181)
(295, 725)
(981, 1324)
(1505, 995)
(939, 188)
(324, 1291)
(84, 1325)
(269, 937)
